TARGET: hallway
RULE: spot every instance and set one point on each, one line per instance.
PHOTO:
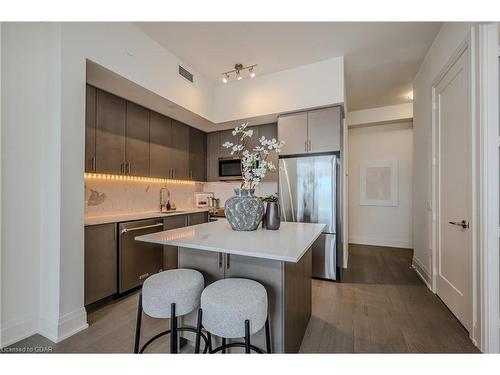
(382, 306)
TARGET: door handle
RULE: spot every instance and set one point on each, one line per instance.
(464, 224)
(305, 145)
(310, 147)
(220, 260)
(228, 261)
(93, 164)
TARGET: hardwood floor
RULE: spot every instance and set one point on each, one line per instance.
(381, 306)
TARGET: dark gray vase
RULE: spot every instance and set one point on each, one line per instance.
(272, 217)
(244, 211)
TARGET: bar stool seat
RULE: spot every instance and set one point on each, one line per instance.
(180, 286)
(234, 308)
(169, 294)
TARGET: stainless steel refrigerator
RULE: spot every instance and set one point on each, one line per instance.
(309, 192)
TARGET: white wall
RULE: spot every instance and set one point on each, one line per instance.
(444, 46)
(26, 60)
(304, 87)
(373, 225)
(398, 112)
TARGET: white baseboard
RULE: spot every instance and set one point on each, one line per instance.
(422, 272)
(55, 330)
(49, 328)
(360, 240)
(18, 329)
(72, 323)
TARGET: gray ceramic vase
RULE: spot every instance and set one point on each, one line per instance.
(244, 211)
(272, 217)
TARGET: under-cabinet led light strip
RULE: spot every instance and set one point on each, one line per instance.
(112, 177)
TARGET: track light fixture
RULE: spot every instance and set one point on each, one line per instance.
(238, 68)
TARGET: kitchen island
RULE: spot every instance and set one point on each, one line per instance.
(280, 260)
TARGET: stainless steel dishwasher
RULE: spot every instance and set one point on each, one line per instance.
(138, 260)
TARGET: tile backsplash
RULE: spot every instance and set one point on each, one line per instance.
(103, 197)
(225, 190)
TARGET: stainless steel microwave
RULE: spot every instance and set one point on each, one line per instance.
(229, 169)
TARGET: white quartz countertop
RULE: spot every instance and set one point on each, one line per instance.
(137, 215)
(287, 244)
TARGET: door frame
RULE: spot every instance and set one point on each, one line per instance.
(484, 64)
(465, 47)
(488, 57)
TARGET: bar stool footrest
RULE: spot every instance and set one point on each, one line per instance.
(168, 331)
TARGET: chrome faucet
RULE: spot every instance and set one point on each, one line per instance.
(163, 200)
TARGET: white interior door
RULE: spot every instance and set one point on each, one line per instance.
(454, 196)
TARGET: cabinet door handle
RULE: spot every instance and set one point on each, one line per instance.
(310, 147)
(228, 261)
(305, 145)
(93, 163)
(122, 168)
(128, 167)
(220, 260)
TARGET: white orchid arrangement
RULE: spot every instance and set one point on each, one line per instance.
(254, 163)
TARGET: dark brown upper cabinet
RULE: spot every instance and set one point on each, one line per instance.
(110, 133)
(159, 148)
(226, 136)
(270, 131)
(90, 119)
(179, 150)
(197, 154)
(122, 137)
(213, 148)
(137, 141)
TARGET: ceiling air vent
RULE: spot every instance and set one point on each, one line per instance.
(186, 74)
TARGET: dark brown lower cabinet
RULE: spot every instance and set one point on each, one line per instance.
(170, 253)
(197, 218)
(100, 262)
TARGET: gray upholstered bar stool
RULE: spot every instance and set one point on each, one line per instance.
(169, 294)
(233, 308)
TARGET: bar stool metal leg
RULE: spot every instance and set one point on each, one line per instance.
(268, 337)
(173, 332)
(247, 336)
(198, 332)
(138, 325)
(209, 337)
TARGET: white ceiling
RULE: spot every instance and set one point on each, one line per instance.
(381, 58)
